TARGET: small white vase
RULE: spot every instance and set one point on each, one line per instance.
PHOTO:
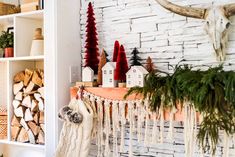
(37, 48)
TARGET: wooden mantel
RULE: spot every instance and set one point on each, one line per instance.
(118, 94)
(109, 93)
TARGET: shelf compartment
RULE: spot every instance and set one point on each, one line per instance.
(16, 66)
(3, 95)
(25, 25)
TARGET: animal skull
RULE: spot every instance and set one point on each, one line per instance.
(217, 22)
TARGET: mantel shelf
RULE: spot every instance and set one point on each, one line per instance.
(118, 94)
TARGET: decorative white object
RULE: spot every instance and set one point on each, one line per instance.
(87, 75)
(135, 76)
(108, 75)
(37, 47)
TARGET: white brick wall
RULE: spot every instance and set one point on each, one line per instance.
(156, 32)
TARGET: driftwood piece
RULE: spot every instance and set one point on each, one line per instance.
(17, 87)
(28, 75)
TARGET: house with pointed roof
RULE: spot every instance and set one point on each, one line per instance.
(135, 76)
(108, 75)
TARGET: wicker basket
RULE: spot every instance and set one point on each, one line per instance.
(6, 9)
(3, 122)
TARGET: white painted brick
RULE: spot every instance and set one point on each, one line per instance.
(167, 38)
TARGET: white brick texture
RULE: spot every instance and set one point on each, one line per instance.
(166, 37)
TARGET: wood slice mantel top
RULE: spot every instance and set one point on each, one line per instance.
(108, 93)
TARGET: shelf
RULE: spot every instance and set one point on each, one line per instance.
(27, 58)
(29, 145)
(38, 14)
(30, 58)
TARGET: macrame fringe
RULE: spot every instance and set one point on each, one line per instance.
(138, 113)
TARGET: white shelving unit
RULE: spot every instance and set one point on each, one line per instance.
(24, 26)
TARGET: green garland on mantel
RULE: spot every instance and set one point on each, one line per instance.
(211, 92)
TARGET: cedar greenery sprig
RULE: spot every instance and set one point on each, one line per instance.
(211, 92)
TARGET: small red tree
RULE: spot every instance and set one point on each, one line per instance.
(92, 51)
(115, 51)
(121, 65)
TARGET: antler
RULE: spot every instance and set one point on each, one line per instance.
(229, 9)
(182, 10)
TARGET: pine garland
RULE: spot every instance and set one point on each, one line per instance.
(211, 92)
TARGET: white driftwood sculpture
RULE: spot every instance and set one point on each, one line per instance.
(217, 22)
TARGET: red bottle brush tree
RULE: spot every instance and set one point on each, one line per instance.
(121, 65)
(92, 51)
(115, 51)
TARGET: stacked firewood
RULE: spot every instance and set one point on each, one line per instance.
(28, 121)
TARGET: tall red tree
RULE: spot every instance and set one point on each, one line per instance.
(121, 65)
(115, 51)
(92, 51)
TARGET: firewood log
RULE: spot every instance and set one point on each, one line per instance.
(17, 87)
(19, 96)
(42, 127)
(41, 139)
(41, 118)
(36, 118)
(16, 104)
(24, 124)
(41, 91)
(27, 102)
(15, 130)
(19, 112)
(41, 105)
(28, 76)
(31, 137)
(23, 136)
(27, 115)
(15, 121)
(34, 107)
(35, 129)
(19, 77)
(30, 87)
(37, 96)
(36, 79)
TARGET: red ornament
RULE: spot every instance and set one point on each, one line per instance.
(115, 51)
(121, 65)
(92, 51)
